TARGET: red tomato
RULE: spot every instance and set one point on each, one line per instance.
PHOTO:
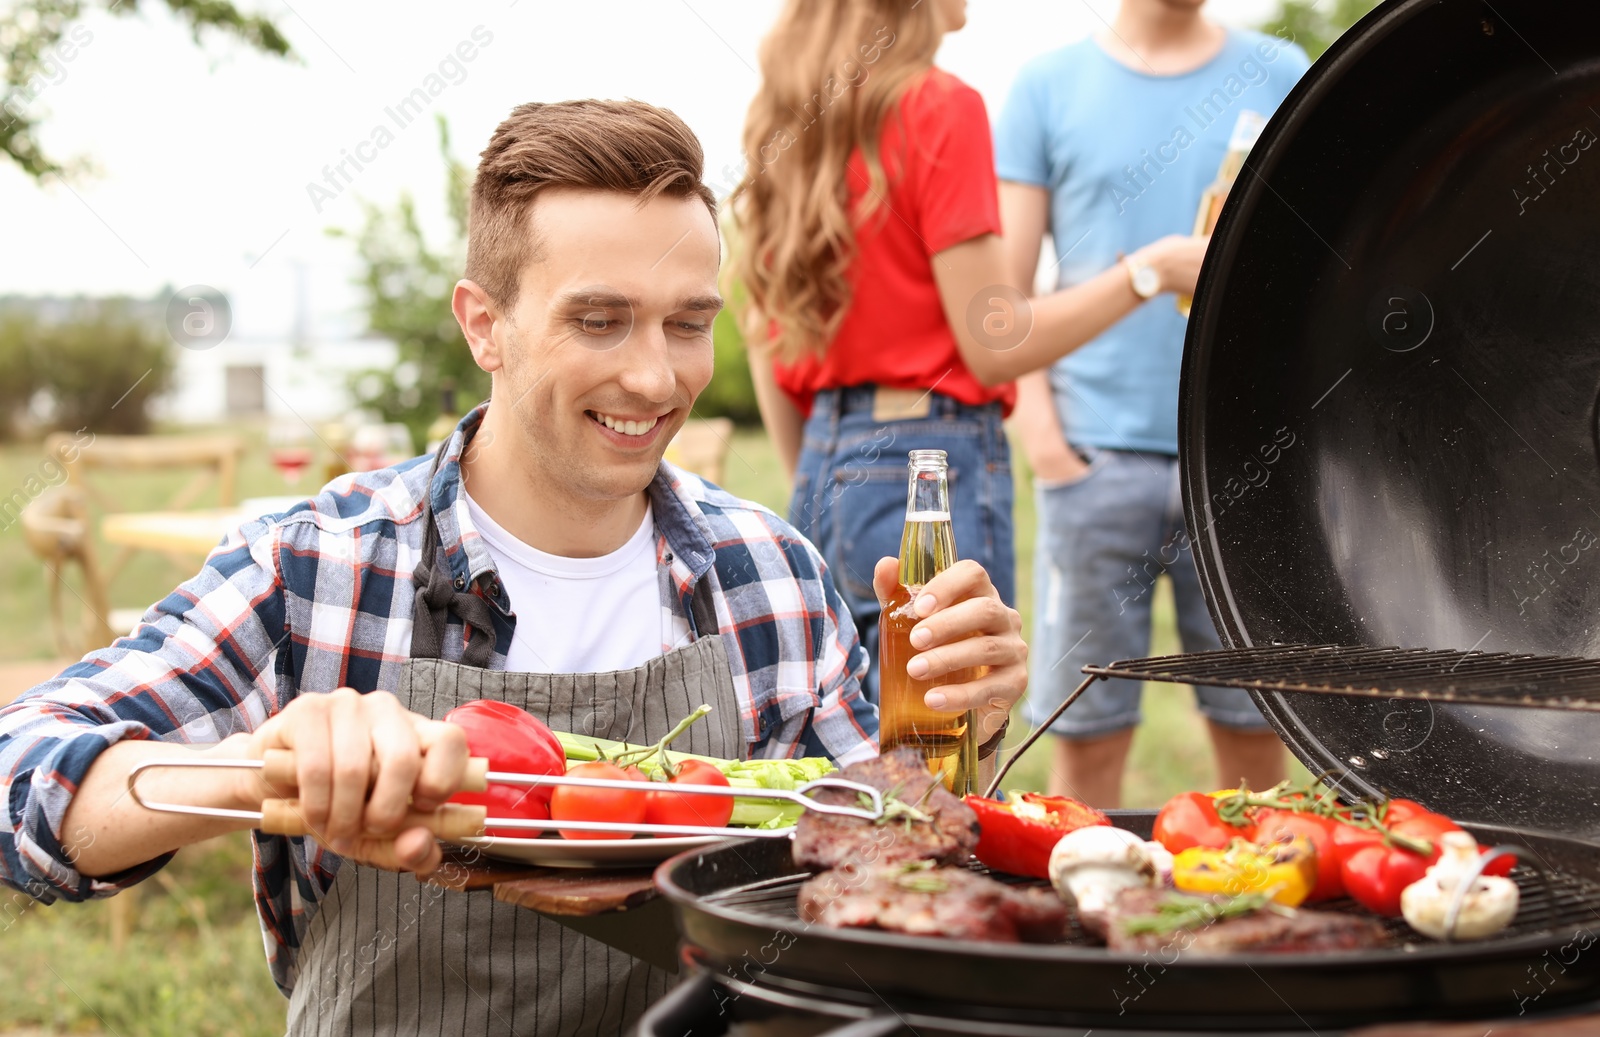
(1430, 827)
(1403, 810)
(1190, 819)
(665, 807)
(1409, 818)
(1376, 874)
(575, 803)
(516, 741)
(1500, 866)
(1273, 825)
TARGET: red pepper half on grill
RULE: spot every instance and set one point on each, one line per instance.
(1017, 836)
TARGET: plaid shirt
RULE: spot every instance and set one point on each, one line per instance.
(320, 597)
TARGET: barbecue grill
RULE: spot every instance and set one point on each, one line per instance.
(1404, 287)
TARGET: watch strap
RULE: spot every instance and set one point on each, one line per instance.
(1135, 269)
(992, 744)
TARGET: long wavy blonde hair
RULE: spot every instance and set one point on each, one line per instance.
(837, 67)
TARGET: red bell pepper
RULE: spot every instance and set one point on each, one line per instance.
(1017, 837)
(1375, 875)
(515, 741)
(1190, 819)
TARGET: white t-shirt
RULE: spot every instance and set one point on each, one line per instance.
(578, 615)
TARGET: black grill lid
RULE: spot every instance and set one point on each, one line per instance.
(1388, 407)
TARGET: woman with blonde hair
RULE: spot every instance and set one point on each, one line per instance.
(881, 314)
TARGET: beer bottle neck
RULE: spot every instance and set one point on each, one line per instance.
(928, 491)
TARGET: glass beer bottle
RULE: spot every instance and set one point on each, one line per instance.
(947, 740)
(1246, 130)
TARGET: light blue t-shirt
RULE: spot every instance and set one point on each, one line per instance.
(1125, 156)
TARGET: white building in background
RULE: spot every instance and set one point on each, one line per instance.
(245, 379)
(291, 350)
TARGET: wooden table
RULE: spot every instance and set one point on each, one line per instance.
(619, 907)
(189, 533)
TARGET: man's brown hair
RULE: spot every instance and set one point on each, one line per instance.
(625, 146)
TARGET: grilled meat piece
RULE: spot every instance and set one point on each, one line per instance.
(1264, 931)
(828, 841)
(914, 897)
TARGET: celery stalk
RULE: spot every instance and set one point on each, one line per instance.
(753, 811)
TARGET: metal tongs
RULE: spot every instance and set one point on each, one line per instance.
(457, 821)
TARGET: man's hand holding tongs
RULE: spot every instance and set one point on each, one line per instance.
(362, 763)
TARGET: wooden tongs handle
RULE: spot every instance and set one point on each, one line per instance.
(450, 821)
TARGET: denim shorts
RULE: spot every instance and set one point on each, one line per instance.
(850, 493)
(1103, 539)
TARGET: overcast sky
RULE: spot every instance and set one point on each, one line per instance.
(203, 155)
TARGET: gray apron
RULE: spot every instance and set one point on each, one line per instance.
(388, 955)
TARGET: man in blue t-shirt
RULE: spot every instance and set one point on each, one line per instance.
(1109, 144)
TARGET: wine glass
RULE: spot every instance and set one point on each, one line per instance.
(289, 450)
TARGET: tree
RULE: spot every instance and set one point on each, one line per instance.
(35, 42)
(407, 283)
(1312, 28)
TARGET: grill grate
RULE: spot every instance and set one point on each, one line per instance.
(1478, 678)
(1554, 903)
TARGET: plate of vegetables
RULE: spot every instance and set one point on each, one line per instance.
(516, 741)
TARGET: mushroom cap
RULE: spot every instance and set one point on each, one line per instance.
(1115, 854)
(1489, 905)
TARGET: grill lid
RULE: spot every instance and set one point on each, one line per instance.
(1388, 407)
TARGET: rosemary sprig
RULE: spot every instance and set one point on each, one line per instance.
(1177, 911)
(919, 877)
(1235, 809)
(895, 808)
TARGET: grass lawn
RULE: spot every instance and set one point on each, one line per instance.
(194, 965)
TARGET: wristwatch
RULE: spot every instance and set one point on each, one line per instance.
(992, 743)
(1146, 282)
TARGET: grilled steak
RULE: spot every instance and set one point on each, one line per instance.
(913, 897)
(829, 841)
(1265, 931)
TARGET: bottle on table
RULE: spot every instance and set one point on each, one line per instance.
(1246, 129)
(927, 547)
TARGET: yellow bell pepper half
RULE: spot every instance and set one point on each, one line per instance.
(1287, 869)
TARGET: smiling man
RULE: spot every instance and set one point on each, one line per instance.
(545, 557)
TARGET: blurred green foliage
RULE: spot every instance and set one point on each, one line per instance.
(407, 282)
(38, 43)
(17, 382)
(99, 367)
(1315, 24)
(731, 393)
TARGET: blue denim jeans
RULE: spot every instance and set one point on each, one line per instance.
(850, 493)
(1103, 539)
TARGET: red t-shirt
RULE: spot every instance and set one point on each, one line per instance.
(939, 160)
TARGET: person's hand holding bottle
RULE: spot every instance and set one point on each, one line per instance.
(1176, 259)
